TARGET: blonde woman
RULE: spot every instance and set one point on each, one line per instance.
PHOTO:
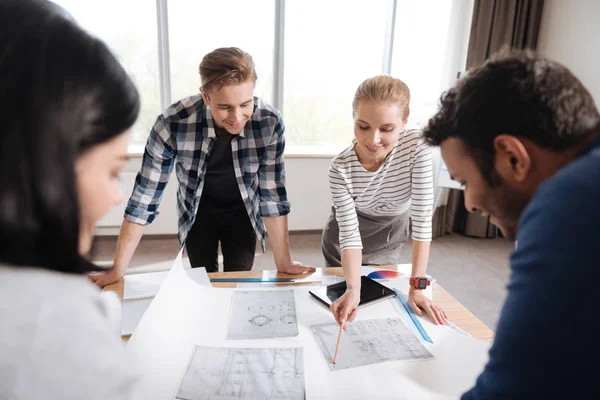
(379, 185)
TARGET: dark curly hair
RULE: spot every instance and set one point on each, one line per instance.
(518, 93)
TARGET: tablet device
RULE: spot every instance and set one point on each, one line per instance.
(370, 292)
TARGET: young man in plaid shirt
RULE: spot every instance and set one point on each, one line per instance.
(227, 149)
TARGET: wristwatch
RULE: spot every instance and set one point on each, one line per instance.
(419, 283)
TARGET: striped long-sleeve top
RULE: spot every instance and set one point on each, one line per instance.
(404, 181)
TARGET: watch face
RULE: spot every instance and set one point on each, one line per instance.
(422, 283)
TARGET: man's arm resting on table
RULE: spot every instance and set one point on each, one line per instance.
(129, 238)
(150, 182)
(277, 228)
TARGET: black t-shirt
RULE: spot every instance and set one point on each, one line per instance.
(221, 190)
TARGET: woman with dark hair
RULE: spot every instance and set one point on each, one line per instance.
(66, 107)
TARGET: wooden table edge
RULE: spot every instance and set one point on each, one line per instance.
(458, 314)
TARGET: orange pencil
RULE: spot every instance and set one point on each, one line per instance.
(337, 347)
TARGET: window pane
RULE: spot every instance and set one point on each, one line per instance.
(330, 48)
(421, 63)
(129, 28)
(198, 27)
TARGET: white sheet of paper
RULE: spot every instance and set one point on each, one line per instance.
(139, 291)
(185, 314)
(133, 311)
(141, 285)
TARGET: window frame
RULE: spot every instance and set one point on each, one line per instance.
(458, 39)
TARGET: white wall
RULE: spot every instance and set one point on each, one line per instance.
(307, 185)
(570, 34)
(308, 191)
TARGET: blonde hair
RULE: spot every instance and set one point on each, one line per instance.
(226, 66)
(383, 89)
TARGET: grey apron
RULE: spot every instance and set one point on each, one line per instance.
(382, 238)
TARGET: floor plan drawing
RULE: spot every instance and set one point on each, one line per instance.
(232, 373)
(369, 342)
(262, 314)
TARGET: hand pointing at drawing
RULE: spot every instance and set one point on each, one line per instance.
(344, 309)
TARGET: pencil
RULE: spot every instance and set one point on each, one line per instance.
(337, 347)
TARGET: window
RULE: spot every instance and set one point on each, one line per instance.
(129, 28)
(421, 63)
(330, 47)
(327, 48)
(198, 27)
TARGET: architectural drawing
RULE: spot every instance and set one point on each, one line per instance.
(262, 314)
(230, 373)
(369, 342)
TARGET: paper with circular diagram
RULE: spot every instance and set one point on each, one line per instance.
(367, 342)
(262, 315)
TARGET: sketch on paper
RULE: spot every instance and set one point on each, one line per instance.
(230, 373)
(369, 342)
(258, 314)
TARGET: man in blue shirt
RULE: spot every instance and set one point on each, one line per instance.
(521, 134)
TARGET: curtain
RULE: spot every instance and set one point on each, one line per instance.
(499, 23)
(495, 24)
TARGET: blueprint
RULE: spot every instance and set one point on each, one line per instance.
(369, 342)
(230, 373)
(262, 314)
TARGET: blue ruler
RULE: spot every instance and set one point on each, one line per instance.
(411, 314)
(253, 279)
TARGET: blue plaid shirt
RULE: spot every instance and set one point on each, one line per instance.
(183, 136)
